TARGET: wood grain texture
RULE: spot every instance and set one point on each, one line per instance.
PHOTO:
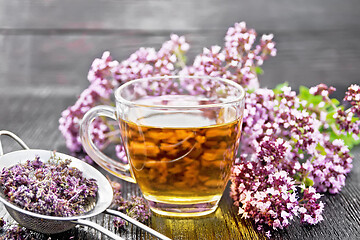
(172, 15)
(54, 42)
(306, 59)
(46, 49)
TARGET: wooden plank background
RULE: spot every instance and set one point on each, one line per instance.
(47, 47)
(51, 43)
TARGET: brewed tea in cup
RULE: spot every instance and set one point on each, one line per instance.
(181, 135)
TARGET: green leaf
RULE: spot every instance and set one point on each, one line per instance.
(348, 139)
(330, 118)
(308, 182)
(249, 91)
(304, 94)
(335, 101)
(259, 70)
(277, 89)
(320, 149)
(181, 58)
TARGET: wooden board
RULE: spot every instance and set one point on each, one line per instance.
(47, 47)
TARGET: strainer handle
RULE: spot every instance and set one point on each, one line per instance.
(137, 223)
(13, 136)
(98, 227)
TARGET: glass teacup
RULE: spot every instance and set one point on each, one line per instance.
(181, 135)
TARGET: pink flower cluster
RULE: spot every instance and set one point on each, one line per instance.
(284, 135)
(353, 97)
(101, 77)
(345, 118)
(238, 60)
(268, 194)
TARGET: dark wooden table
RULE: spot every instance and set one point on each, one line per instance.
(46, 48)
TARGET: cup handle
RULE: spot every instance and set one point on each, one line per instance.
(115, 167)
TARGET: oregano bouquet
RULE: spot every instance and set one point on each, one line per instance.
(294, 146)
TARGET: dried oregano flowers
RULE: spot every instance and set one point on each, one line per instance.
(17, 232)
(136, 208)
(54, 188)
(51, 188)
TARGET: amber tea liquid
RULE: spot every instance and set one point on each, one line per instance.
(181, 158)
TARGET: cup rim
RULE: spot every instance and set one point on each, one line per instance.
(122, 100)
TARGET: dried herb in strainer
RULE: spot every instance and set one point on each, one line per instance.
(51, 188)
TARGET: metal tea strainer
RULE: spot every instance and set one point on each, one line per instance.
(52, 224)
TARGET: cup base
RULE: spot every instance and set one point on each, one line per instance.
(183, 210)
